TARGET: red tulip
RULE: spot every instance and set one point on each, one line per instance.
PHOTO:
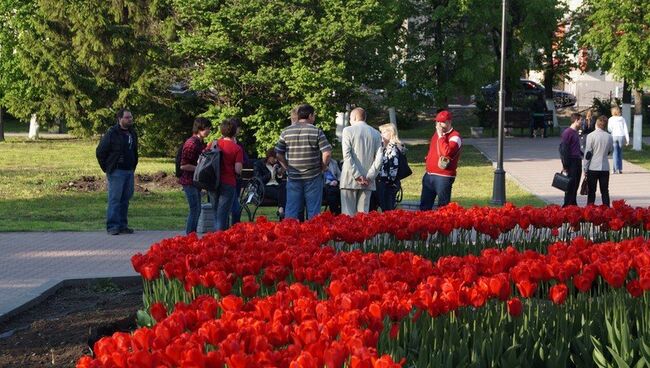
(158, 311)
(558, 293)
(634, 288)
(526, 288)
(515, 308)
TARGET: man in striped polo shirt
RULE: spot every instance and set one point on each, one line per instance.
(303, 150)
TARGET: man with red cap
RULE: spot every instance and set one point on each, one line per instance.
(441, 163)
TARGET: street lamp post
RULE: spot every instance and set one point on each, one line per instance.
(499, 185)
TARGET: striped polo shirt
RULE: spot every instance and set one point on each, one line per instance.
(303, 144)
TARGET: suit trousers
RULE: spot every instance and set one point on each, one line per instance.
(355, 200)
(574, 169)
(602, 177)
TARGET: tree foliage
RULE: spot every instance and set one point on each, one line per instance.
(618, 31)
(259, 58)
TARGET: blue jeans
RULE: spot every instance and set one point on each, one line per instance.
(618, 153)
(235, 211)
(193, 196)
(120, 190)
(222, 205)
(300, 192)
(435, 186)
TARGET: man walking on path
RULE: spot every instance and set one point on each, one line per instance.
(304, 152)
(571, 159)
(190, 153)
(441, 163)
(117, 154)
(600, 144)
(361, 163)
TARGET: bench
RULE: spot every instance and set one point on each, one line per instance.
(516, 119)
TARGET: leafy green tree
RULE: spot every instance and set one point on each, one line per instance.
(82, 60)
(618, 31)
(257, 59)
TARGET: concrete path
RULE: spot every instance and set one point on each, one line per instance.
(533, 162)
(32, 263)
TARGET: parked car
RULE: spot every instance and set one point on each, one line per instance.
(528, 88)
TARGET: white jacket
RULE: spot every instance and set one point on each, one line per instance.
(618, 128)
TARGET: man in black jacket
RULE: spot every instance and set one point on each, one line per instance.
(117, 154)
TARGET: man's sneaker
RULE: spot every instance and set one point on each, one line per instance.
(127, 230)
(113, 232)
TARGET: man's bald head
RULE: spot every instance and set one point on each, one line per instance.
(358, 114)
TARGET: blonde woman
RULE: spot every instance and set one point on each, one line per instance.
(617, 127)
(387, 182)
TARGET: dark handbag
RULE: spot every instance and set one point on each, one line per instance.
(584, 187)
(561, 182)
(403, 170)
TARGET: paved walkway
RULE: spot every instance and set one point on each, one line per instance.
(32, 263)
(532, 163)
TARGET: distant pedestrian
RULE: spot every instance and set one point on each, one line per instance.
(117, 154)
(538, 117)
(617, 126)
(232, 158)
(587, 126)
(571, 159)
(596, 165)
(304, 152)
(388, 184)
(441, 163)
(361, 146)
(190, 153)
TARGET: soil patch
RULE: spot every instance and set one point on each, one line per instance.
(58, 331)
(144, 183)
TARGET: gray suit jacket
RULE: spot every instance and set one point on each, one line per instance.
(600, 144)
(361, 155)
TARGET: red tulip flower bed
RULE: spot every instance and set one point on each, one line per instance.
(457, 287)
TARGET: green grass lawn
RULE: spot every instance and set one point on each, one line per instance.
(641, 158)
(32, 173)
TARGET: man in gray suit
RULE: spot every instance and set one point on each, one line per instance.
(600, 144)
(361, 162)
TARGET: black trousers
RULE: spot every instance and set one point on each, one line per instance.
(574, 170)
(602, 177)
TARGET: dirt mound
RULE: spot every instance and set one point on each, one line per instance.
(144, 183)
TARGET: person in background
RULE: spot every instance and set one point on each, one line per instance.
(232, 158)
(304, 152)
(117, 154)
(271, 173)
(587, 126)
(235, 213)
(571, 157)
(192, 149)
(361, 145)
(441, 163)
(617, 126)
(387, 182)
(596, 165)
(332, 193)
(538, 117)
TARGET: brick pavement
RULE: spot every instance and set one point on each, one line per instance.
(32, 263)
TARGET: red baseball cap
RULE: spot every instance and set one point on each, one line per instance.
(443, 116)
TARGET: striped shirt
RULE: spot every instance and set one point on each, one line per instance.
(303, 144)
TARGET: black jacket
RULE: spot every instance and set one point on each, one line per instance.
(111, 147)
(261, 171)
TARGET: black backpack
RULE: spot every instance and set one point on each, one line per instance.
(179, 154)
(208, 168)
(403, 170)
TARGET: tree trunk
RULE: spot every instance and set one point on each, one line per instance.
(33, 128)
(637, 140)
(549, 75)
(627, 105)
